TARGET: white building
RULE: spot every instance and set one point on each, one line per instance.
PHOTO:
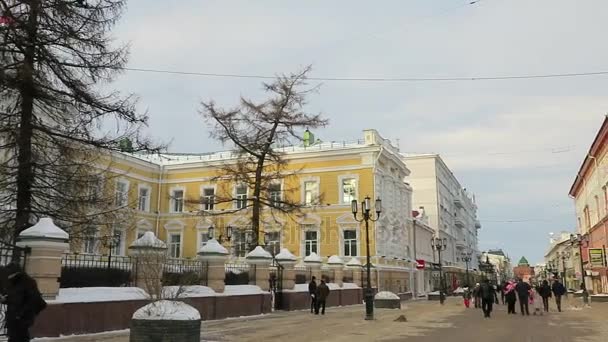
(422, 233)
(451, 210)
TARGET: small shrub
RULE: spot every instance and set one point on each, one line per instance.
(94, 277)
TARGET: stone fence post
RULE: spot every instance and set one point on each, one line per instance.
(288, 261)
(337, 266)
(313, 261)
(355, 266)
(47, 243)
(215, 255)
(260, 259)
(150, 255)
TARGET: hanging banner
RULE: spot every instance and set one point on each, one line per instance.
(596, 257)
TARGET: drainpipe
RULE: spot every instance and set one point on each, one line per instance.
(158, 199)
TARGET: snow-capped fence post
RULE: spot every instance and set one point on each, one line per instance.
(215, 256)
(260, 259)
(313, 261)
(166, 320)
(337, 266)
(354, 265)
(288, 261)
(47, 243)
(150, 255)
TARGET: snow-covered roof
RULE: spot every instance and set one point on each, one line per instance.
(286, 255)
(149, 240)
(169, 310)
(353, 262)
(213, 247)
(334, 259)
(313, 257)
(386, 295)
(45, 228)
(259, 253)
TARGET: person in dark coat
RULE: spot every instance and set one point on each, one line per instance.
(488, 295)
(322, 294)
(23, 303)
(558, 291)
(545, 293)
(523, 293)
(476, 297)
(312, 291)
(503, 288)
(510, 297)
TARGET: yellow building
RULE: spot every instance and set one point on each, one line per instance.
(173, 196)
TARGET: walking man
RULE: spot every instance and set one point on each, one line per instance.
(510, 297)
(23, 303)
(523, 292)
(558, 291)
(312, 291)
(487, 297)
(545, 293)
(322, 294)
(476, 296)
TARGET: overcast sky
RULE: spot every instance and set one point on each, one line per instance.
(516, 144)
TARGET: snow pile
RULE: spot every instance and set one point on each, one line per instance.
(353, 262)
(168, 310)
(187, 291)
(313, 257)
(99, 294)
(240, 290)
(299, 288)
(213, 247)
(335, 260)
(259, 253)
(350, 286)
(333, 286)
(45, 228)
(149, 240)
(459, 290)
(386, 295)
(434, 293)
(285, 255)
(600, 295)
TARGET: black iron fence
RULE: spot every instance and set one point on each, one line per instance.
(239, 274)
(185, 272)
(89, 270)
(303, 274)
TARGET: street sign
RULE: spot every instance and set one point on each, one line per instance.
(420, 264)
(596, 257)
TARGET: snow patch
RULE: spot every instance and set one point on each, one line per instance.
(386, 295)
(286, 255)
(98, 294)
(259, 253)
(350, 286)
(434, 293)
(241, 290)
(299, 288)
(45, 228)
(187, 291)
(459, 290)
(333, 286)
(334, 259)
(149, 240)
(353, 262)
(313, 257)
(167, 310)
(600, 295)
(213, 247)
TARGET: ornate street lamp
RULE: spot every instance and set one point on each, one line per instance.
(440, 245)
(222, 237)
(575, 240)
(466, 257)
(564, 255)
(367, 216)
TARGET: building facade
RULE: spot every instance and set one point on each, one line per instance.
(451, 211)
(562, 261)
(174, 196)
(501, 262)
(590, 193)
(524, 271)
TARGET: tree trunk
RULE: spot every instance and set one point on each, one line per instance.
(25, 175)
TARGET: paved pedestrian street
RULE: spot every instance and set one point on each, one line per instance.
(426, 322)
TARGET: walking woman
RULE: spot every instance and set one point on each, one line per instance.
(545, 293)
(510, 297)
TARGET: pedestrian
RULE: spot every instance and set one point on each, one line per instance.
(496, 292)
(558, 291)
(312, 291)
(322, 294)
(536, 301)
(545, 293)
(476, 296)
(488, 295)
(23, 303)
(585, 294)
(523, 293)
(510, 297)
(503, 288)
(466, 296)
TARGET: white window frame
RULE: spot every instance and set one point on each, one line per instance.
(236, 200)
(119, 250)
(94, 238)
(172, 202)
(208, 187)
(170, 243)
(303, 182)
(341, 189)
(280, 184)
(120, 198)
(280, 241)
(310, 228)
(343, 241)
(148, 200)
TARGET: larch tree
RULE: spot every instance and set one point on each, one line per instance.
(59, 125)
(256, 131)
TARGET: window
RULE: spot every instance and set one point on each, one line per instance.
(311, 243)
(122, 193)
(350, 243)
(275, 194)
(175, 244)
(144, 199)
(311, 192)
(118, 242)
(204, 237)
(177, 201)
(95, 188)
(240, 241)
(597, 207)
(273, 242)
(241, 196)
(208, 198)
(587, 218)
(349, 190)
(90, 241)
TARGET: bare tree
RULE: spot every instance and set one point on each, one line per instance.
(256, 131)
(58, 125)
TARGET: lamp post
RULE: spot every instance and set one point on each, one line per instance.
(440, 245)
(579, 239)
(564, 255)
(367, 216)
(223, 237)
(466, 257)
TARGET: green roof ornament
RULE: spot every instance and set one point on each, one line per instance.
(309, 138)
(523, 261)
